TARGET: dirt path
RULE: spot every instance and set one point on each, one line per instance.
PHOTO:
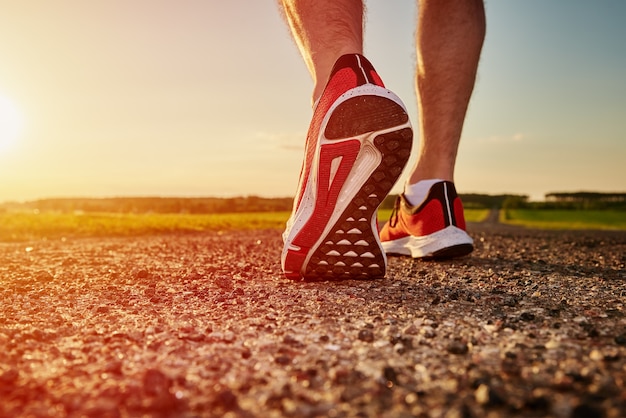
(532, 324)
(493, 218)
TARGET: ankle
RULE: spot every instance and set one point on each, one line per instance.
(416, 193)
(323, 69)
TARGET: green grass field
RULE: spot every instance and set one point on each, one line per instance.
(21, 226)
(565, 219)
(26, 226)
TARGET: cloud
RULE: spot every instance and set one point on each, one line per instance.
(292, 141)
(503, 139)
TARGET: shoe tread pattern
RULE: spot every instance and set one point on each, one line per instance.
(344, 255)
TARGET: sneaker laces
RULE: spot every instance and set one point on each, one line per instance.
(393, 219)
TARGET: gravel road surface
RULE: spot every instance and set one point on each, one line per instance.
(532, 324)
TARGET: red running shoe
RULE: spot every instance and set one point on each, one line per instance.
(434, 229)
(358, 142)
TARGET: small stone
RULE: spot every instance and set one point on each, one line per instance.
(596, 355)
(457, 347)
(399, 348)
(44, 276)
(428, 332)
(366, 335)
(552, 344)
(224, 282)
(289, 340)
(103, 309)
(114, 367)
(192, 336)
(156, 383)
(411, 329)
(481, 394)
(527, 316)
(411, 398)
(70, 261)
(390, 375)
(282, 359)
(142, 274)
(486, 395)
(621, 339)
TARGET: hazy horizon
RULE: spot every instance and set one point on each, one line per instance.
(130, 197)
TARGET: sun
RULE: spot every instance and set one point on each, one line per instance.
(11, 122)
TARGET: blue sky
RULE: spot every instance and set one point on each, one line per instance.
(199, 98)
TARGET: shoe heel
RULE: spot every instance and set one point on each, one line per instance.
(362, 114)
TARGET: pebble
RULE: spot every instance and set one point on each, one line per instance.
(428, 332)
(390, 375)
(282, 359)
(552, 344)
(44, 276)
(142, 274)
(156, 383)
(399, 348)
(482, 394)
(457, 347)
(366, 335)
(102, 309)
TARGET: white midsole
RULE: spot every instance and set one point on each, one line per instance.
(367, 160)
(419, 247)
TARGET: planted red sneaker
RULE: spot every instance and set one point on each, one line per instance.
(434, 229)
(358, 142)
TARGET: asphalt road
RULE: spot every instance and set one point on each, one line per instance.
(532, 324)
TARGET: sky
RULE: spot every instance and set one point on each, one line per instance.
(211, 98)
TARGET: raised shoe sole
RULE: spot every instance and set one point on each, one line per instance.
(365, 141)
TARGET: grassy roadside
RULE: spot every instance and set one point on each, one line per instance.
(22, 226)
(565, 219)
(26, 226)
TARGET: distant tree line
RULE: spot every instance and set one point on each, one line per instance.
(485, 201)
(470, 200)
(572, 201)
(561, 200)
(202, 205)
(159, 205)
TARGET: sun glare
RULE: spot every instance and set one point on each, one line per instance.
(11, 121)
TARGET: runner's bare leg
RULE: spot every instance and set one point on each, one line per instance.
(324, 30)
(449, 39)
